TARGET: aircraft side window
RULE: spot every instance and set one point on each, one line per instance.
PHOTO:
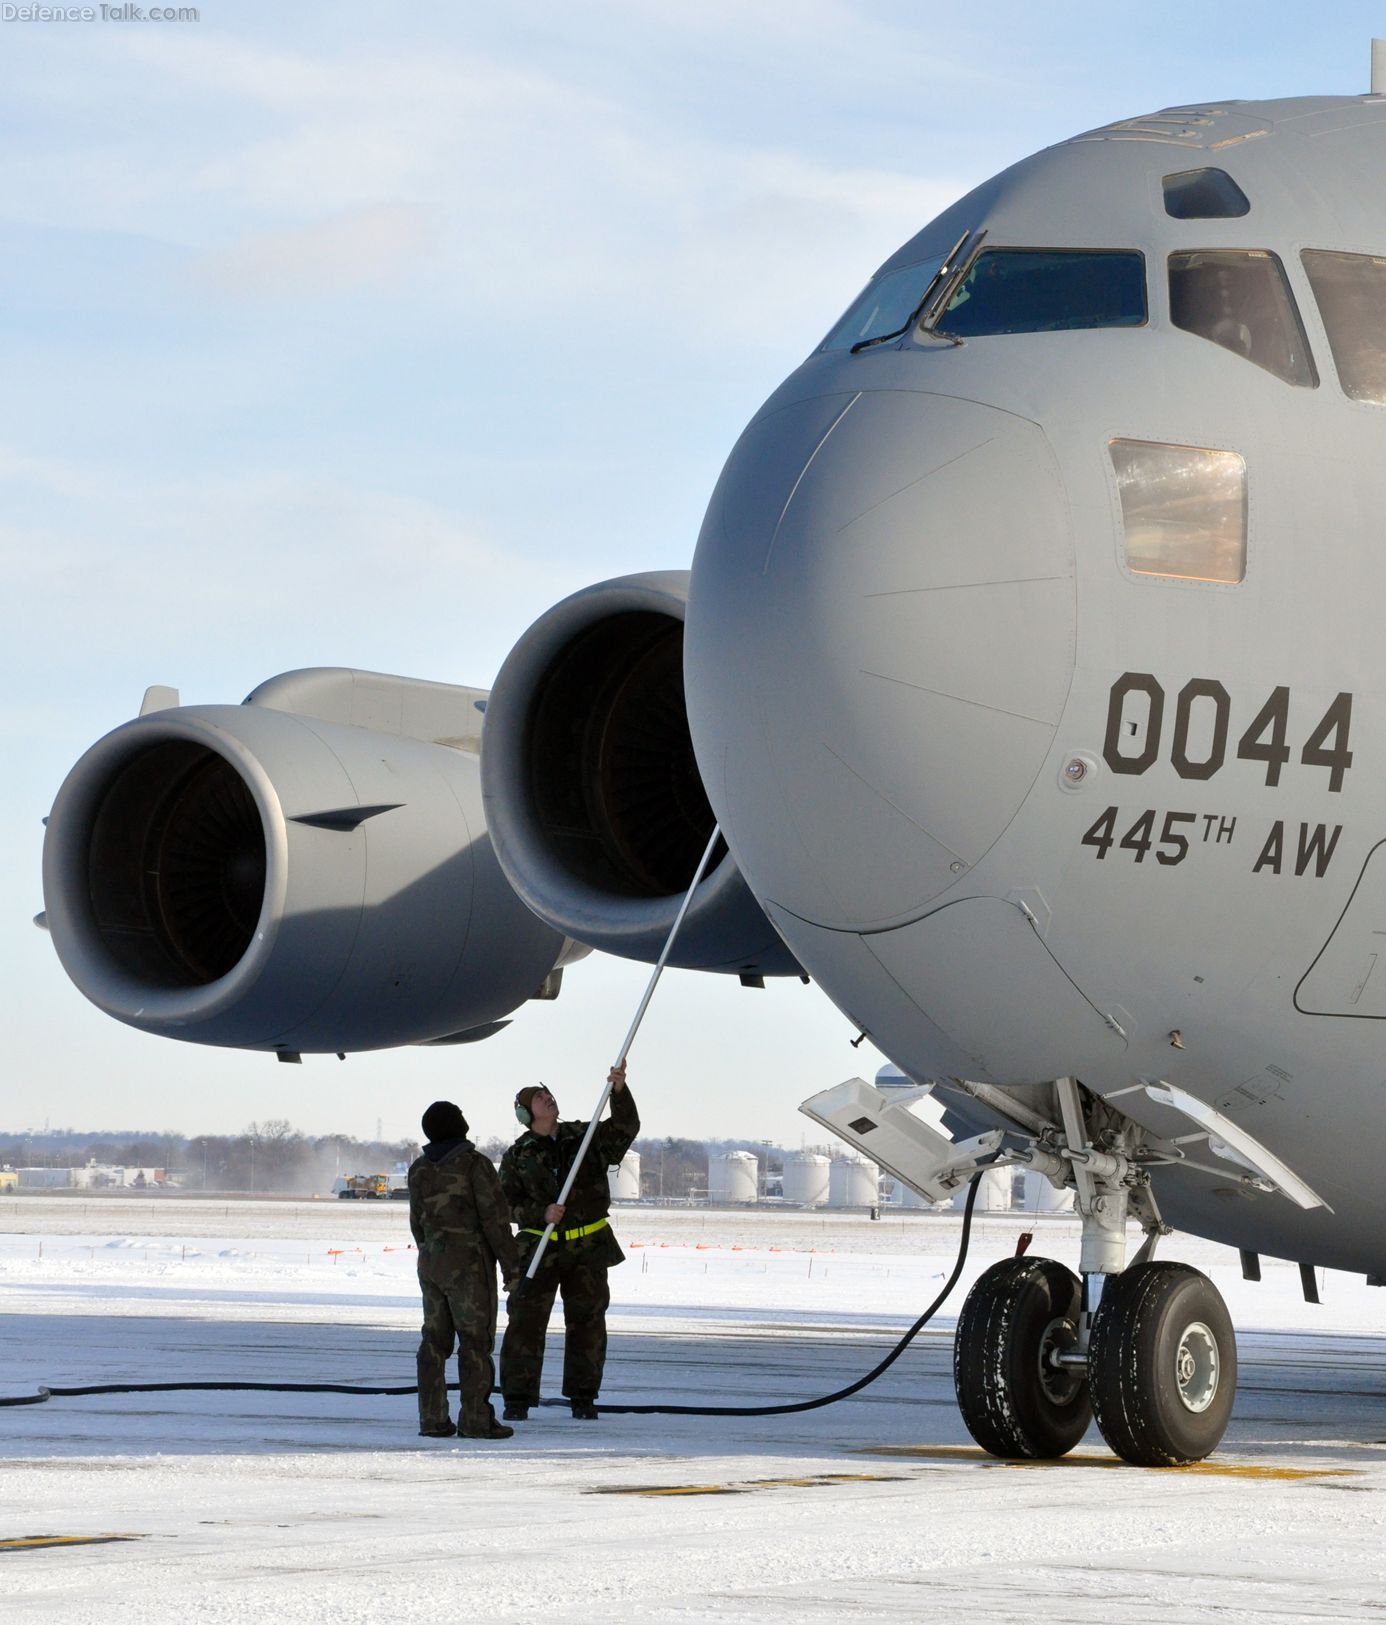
(1239, 298)
(884, 305)
(1351, 291)
(1204, 194)
(1045, 290)
(1183, 510)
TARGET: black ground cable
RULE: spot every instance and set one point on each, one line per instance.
(203, 1387)
(842, 1393)
(790, 1409)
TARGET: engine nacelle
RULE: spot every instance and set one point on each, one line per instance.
(253, 876)
(593, 796)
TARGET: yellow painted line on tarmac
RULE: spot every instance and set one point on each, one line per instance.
(813, 1481)
(30, 1543)
(1205, 1469)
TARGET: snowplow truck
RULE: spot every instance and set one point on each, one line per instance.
(366, 1187)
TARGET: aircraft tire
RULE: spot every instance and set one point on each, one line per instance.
(1162, 1365)
(1014, 1400)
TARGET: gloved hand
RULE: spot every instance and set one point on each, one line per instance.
(515, 1287)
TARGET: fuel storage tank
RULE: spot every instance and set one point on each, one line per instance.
(806, 1179)
(853, 1182)
(732, 1176)
(1042, 1197)
(624, 1179)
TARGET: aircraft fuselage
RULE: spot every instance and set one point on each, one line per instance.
(1035, 674)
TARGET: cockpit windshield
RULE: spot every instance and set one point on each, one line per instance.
(1351, 291)
(1238, 298)
(1046, 290)
(885, 305)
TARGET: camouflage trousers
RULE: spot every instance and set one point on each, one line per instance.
(460, 1311)
(586, 1294)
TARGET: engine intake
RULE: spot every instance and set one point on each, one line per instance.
(176, 866)
(593, 795)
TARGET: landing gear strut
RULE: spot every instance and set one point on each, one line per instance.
(1148, 1351)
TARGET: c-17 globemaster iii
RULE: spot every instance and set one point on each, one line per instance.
(1030, 665)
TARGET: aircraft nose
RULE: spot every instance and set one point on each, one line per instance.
(879, 646)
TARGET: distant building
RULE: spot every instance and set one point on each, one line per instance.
(93, 1176)
(732, 1176)
(995, 1193)
(623, 1178)
(46, 1179)
(853, 1182)
(806, 1179)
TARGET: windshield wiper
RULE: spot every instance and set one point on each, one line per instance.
(943, 296)
(944, 270)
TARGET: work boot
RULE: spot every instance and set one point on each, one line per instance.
(584, 1407)
(488, 1430)
(437, 1430)
(481, 1424)
(516, 1410)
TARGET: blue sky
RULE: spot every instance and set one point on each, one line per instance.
(356, 335)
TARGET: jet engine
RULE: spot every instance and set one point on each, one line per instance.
(308, 871)
(593, 796)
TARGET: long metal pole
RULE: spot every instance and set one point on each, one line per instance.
(625, 1047)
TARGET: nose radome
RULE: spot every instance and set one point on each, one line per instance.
(879, 646)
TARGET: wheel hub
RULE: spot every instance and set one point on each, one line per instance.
(1196, 1367)
(1060, 1381)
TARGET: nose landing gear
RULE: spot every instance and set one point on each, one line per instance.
(1159, 1373)
(1147, 1351)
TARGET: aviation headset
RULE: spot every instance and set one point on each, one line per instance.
(522, 1112)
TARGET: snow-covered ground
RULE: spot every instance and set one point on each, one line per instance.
(315, 1507)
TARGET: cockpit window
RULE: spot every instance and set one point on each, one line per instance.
(1238, 298)
(884, 305)
(1351, 291)
(1204, 194)
(1046, 290)
(1183, 510)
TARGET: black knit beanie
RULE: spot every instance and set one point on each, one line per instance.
(444, 1121)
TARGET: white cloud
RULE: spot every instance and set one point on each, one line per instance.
(121, 564)
(371, 246)
(513, 190)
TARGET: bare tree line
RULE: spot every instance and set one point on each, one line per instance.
(270, 1156)
(274, 1157)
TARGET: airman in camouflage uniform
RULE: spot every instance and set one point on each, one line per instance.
(461, 1226)
(580, 1251)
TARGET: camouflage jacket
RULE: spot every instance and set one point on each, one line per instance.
(532, 1172)
(458, 1214)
